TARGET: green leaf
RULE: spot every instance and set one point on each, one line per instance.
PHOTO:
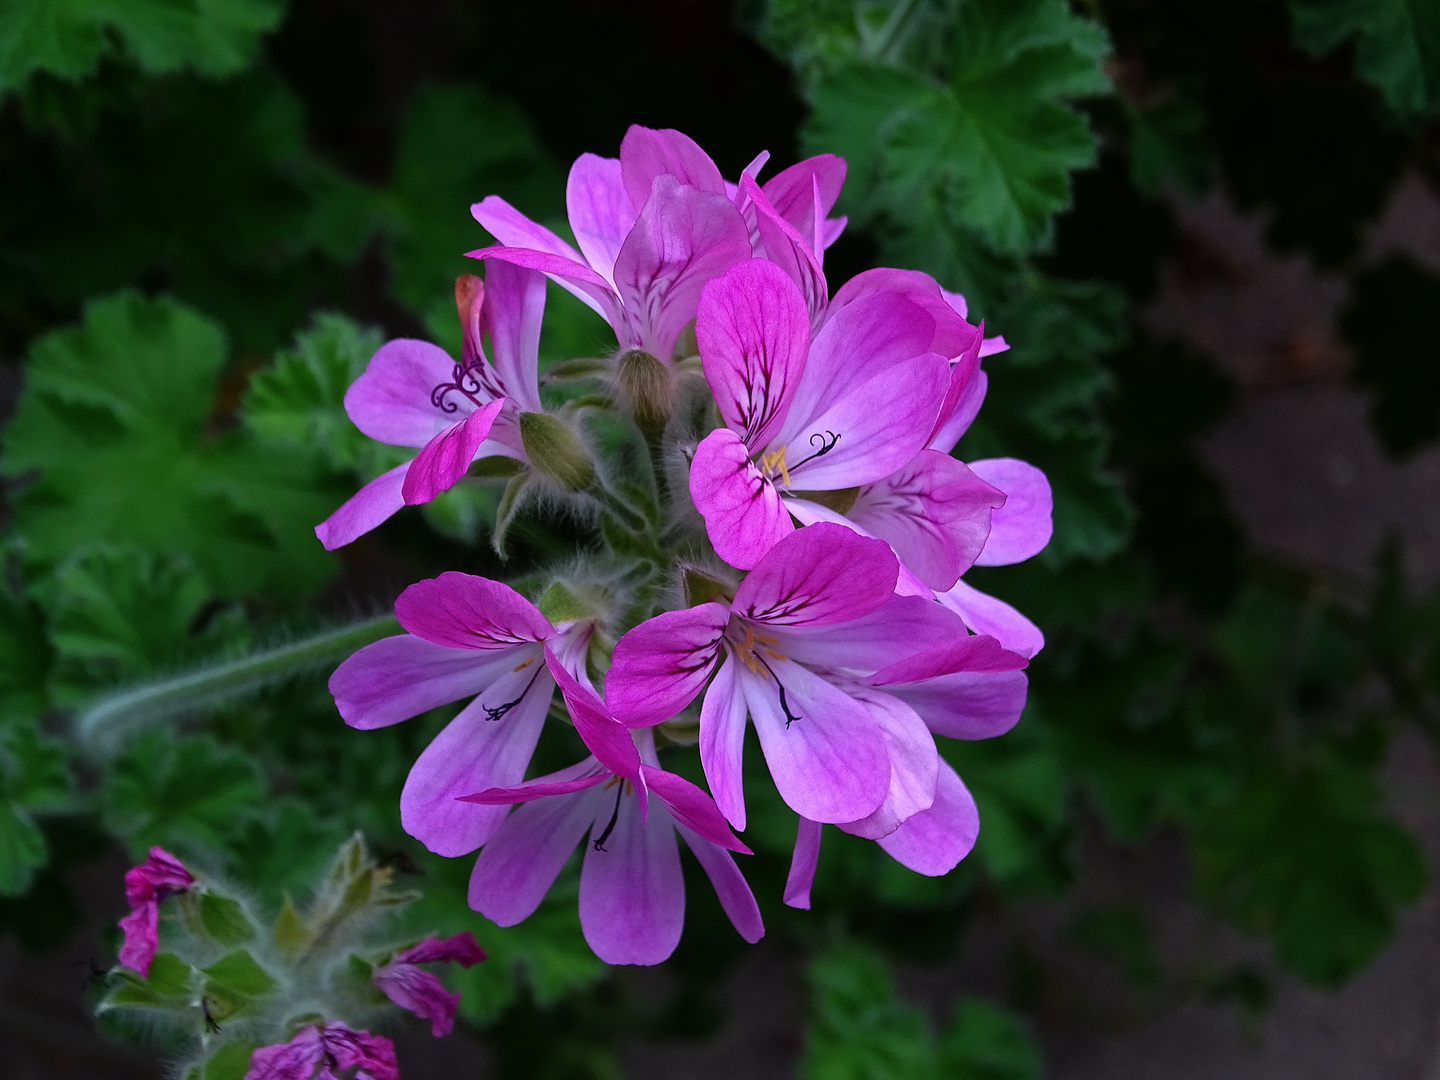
(225, 920)
(1397, 45)
(984, 1042)
(230, 1062)
(166, 987)
(858, 1030)
(239, 974)
(68, 37)
(23, 850)
(34, 775)
(25, 657)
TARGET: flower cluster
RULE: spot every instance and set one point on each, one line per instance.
(789, 553)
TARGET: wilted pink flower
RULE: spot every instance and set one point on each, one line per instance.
(820, 653)
(410, 987)
(467, 636)
(632, 893)
(413, 394)
(331, 1048)
(160, 876)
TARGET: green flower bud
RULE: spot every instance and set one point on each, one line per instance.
(556, 452)
(646, 390)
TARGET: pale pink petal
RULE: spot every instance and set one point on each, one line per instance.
(825, 751)
(986, 614)
(992, 345)
(372, 505)
(398, 677)
(488, 745)
(816, 576)
(934, 512)
(729, 883)
(513, 229)
(953, 334)
(968, 704)
(913, 764)
(522, 860)
(754, 334)
(894, 631)
(722, 741)
(569, 273)
(693, 808)
(648, 153)
(833, 228)
(392, 399)
(812, 513)
(461, 948)
(421, 993)
(969, 652)
(442, 461)
(935, 840)
(604, 736)
(469, 612)
(792, 254)
(632, 893)
(803, 861)
(683, 238)
(660, 665)
(744, 514)
(513, 310)
(578, 777)
(950, 430)
(806, 190)
(1023, 527)
(142, 937)
(601, 212)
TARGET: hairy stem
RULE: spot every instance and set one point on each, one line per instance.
(106, 722)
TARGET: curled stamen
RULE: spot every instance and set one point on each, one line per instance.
(825, 447)
(495, 712)
(599, 843)
(465, 380)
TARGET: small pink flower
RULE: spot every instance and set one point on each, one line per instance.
(330, 1047)
(160, 876)
(404, 983)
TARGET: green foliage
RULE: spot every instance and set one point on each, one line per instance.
(34, 777)
(25, 657)
(167, 986)
(1397, 45)
(69, 37)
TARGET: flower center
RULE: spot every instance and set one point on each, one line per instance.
(751, 651)
(469, 380)
(773, 461)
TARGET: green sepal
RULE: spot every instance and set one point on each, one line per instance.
(224, 920)
(701, 588)
(290, 932)
(359, 978)
(494, 467)
(560, 604)
(585, 367)
(240, 974)
(556, 452)
(505, 512)
(168, 986)
(230, 1062)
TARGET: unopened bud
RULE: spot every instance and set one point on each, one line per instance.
(701, 587)
(646, 390)
(560, 604)
(556, 452)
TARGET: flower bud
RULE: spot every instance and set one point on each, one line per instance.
(556, 452)
(646, 390)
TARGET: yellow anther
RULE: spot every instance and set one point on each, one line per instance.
(773, 460)
(523, 664)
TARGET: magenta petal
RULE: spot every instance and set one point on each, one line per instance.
(807, 190)
(632, 893)
(461, 948)
(891, 633)
(476, 750)
(683, 238)
(660, 666)
(391, 401)
(373, 504)
(142, 937)
(803, 861)
(569, 273)
(754, 334)
(513, 310)
(830, 764)
(1023, 527)
(967, 704)
(934, 512)
(420, 992)
(648, 153)
(816, 576)
(722, 741)
(986, 614)
(442, 461)
(398, 677)
(791, 252)
(729, 883)
(513, 229)
(935, 840)
(952, 336)
(522, 860)
(469, 612)
(295, 1060)
(913, 765)
(159, 876)
(967, 653)
(693, 808)
(950, 429)
(600, 209)
(583, 774)
(605, 737)
(744, 515)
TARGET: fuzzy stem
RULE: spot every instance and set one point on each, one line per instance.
(102, 725)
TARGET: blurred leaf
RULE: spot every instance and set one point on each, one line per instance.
(34, 775)
(984, 1042)
(857, 1029)
(1169, 143)
(238, 973)
(1120, 934)
(166, 987)
(1397, 47)
(25, 658)
(22, 850)
(224, 919)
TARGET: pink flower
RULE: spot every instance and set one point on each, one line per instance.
(160, 876)
(632, 893)
(821, 655)
(413, 394)
(404, 983)
(468, 636)
(330, 1047)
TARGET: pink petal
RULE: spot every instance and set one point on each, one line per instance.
(578, 777)
(295, 1060)
(372, 1055)
(812, 513)
(891, 633)
(142, 937)
(601, 212)
(469, 612)
(816, 576)
(807, 190)
(605, 737)
(963, 370)
(660, 666)
(513, 310)
(791, 253)
(391, 401)
(967, 653)
(967, 704)
(513, 229)
(159, 876)
(693, 808)
(398, 677)
(369, 507)
(986, 614)
(648, 153)
(569, 273)
(729, 883)
(803, 861)
(722, 741)
(489, 744)
(754, 335)
(744, 515)
(934, 512)
(830, 764)
(632, 893)
(442, 461)
(420, 992)
(935, 840)
(461, 948)
(1023, 527)
(953, 334)
(948, 431)
(683, 238)
(522, 860)
(914, 764)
